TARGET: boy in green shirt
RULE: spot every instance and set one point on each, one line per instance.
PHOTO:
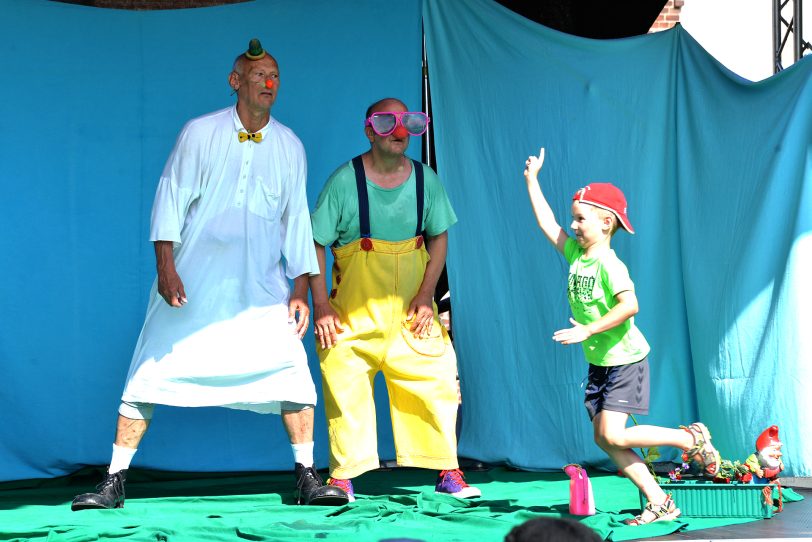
(603, 303)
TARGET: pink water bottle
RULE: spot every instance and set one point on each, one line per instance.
(582, 503)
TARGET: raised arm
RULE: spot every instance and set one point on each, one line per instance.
(544, 214)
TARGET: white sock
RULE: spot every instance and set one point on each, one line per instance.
(303, 453)
(121, 458)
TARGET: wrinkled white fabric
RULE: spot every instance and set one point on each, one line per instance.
(234, 211)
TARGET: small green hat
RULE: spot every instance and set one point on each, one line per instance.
(255, 50)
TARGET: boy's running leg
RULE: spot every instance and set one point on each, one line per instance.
(694, 440)
(610, 434)
(646, 436)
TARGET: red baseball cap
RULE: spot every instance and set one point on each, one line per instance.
(606, 196)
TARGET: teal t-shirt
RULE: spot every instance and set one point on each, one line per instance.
(591, 289)
(392, 211)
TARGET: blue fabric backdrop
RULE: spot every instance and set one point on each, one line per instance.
(91, 102)
(718, 173)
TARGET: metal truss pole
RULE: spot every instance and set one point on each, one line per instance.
(782, 28)
(428, 136)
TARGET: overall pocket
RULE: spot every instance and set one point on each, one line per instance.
(433, 345)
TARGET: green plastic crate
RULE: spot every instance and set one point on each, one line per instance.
(704, 499)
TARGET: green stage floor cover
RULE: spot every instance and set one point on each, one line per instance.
(394, 504)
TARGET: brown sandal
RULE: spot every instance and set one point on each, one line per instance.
(656, 512)
(702, 451)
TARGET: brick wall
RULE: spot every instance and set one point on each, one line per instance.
(150, 4)
(668, 17)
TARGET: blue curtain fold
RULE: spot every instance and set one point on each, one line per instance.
(92, 101)
(716, 169)
(717, 173)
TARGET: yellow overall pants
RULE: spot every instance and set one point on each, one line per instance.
(373, 283)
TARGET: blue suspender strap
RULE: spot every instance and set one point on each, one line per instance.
(363, 197)
(418, 177)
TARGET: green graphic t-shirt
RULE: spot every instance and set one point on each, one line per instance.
(392, 211)
(591, 289)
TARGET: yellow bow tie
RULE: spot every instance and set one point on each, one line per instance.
(255, 137)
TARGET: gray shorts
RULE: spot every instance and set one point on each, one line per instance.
(622, 388)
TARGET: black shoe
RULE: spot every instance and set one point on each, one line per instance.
(310, 489)
(109, 494)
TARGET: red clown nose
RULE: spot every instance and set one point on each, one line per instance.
(269, 83)
(400, 132)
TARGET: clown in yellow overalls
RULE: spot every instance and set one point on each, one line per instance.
(379, 314)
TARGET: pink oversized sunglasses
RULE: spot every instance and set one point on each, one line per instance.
(384, 123)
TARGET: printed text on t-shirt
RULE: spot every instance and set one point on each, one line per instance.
(580, 287)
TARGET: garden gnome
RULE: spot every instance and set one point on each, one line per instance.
(766, 463)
